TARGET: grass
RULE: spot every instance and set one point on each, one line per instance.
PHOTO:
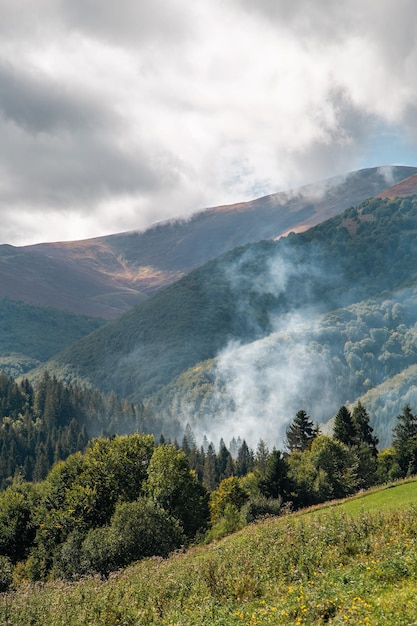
(350, 563)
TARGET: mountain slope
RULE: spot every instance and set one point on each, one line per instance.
(30, 334)
(107, 275)
(273, 289)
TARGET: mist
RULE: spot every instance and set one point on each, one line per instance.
(313, 359)
(259, 386)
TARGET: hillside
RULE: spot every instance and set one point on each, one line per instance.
(405, 187)
(347, 564)
(32, 334)
(271, 298)
(107, 275)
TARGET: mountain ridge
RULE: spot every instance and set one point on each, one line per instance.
(105, 276)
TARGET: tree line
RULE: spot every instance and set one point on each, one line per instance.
(44, 423)
(127, 497)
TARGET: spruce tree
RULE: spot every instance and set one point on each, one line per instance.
(343, 428)
(363, 429)
(276, 483)
(300, 433)
(244, 461)
(405, 441)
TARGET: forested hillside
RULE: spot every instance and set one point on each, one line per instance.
(32, 334)
(125, 498)
(42, 425)
(361, 266)
(105, 276)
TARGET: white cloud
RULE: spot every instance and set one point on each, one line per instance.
(128, 113)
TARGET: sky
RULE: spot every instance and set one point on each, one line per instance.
(116, 115)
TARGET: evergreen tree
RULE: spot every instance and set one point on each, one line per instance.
(244, 461)
(405, 441)
(276, 483)
(344, 428)
(363, 429)
(196, 460)
(261, 458)
(209, 475)
(224, 464)
(300, 433)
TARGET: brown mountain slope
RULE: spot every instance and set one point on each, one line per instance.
(105, 276)
(405, 187)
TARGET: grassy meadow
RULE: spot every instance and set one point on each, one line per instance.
(351, 562)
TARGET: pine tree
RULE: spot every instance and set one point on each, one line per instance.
(224, 463)
(300, 433)
(276, 483)
(405, 441)
(244, 461)
(363, 429)
(261, 458)
(209, 475)
(344, 429)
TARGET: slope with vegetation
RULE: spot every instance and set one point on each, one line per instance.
(126, 498)
(105, 276)
(347, 564)
(32, 334)
(351, 278)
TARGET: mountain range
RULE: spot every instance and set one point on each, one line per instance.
(246, 313)
(106, 276)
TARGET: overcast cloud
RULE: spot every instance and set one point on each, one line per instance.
(116, 115)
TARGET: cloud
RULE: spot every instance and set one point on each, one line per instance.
(121, 115)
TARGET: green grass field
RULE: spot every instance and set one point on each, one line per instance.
(352, 562)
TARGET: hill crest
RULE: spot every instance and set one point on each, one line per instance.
(106, 276)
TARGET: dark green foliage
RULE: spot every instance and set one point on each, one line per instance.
(363, 429)
(405, 441)
(137, 530)
(210, 473)
(17, 530)
(173, 486)
(260, 506)
(261, 459)
(344, 429)
(39, 332)
(6, 573)
(354, 430)
(329, 469)
(245, 460)
(122, 500)
(276, 484)
(335, 467)
(224, 463)
(300, 433)
(44, 424)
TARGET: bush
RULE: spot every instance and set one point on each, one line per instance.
(261, 507)
(138, 529)
(6, 573)
(145, 529)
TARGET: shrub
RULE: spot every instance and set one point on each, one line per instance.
(6, 573)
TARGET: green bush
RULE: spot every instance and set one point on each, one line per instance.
(261, 507)
(6, 573)
(138, 529)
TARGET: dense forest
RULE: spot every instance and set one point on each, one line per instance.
(95, 505)
(45, 423)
